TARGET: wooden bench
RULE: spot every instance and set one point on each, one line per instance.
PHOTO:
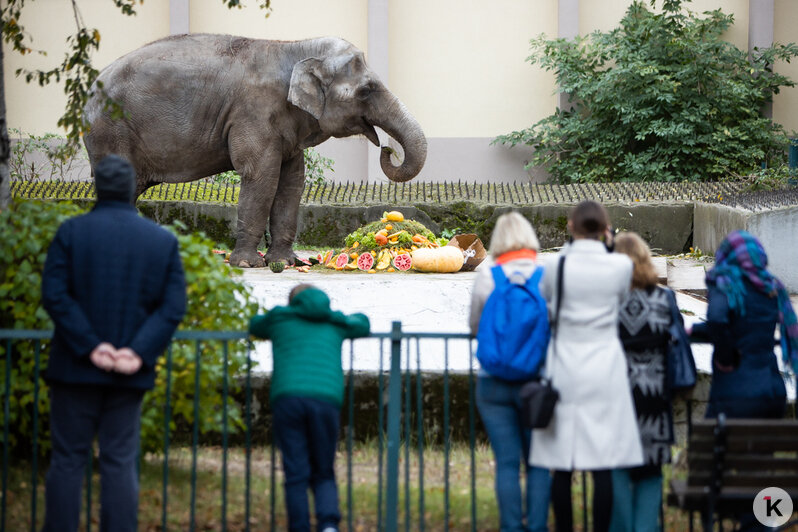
(730, 461)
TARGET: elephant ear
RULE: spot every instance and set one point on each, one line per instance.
(305, 90)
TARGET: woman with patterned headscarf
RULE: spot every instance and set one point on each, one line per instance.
(745, 304)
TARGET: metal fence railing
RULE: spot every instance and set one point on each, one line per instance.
(359, 193)
(417, 484)
(412, 454)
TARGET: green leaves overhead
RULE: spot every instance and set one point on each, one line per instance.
(660, 98)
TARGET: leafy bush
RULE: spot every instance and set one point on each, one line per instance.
(660, 98)
(315, 165)
(26, 229)
(216, 301)
(59, 159)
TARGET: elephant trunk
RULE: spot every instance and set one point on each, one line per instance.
(401, 125)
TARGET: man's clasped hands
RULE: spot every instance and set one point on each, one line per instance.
(106, 357)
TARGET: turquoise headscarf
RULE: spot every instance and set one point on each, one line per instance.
(741, 256)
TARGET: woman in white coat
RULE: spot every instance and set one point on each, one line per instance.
(594, 427)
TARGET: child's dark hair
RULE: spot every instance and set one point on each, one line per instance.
(297, 289)
(589, 219)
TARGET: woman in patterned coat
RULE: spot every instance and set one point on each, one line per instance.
(644, 318)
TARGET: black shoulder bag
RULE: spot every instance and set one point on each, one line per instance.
(539, 397)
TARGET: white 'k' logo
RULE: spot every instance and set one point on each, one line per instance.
(772, 507)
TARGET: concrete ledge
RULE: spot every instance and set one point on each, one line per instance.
(777, 229)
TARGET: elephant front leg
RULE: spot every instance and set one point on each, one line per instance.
(258, 187)
(285, 210)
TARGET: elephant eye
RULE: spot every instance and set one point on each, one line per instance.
(364, 92)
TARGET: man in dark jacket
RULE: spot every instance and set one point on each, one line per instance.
(307, 390)
(113, 285)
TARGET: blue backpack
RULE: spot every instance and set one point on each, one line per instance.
(514, 328)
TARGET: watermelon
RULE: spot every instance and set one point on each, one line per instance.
(365, 261)
(402, 262)
(341, 260)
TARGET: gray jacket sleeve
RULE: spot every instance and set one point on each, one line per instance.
(483, 286)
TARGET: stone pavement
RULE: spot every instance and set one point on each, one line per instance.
(440, 303)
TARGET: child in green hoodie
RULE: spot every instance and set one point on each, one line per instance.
(307, 390)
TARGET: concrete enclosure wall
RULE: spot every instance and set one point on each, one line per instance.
(328, 225)
(776, 229)
(459, 66)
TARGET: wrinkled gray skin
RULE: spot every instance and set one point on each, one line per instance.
(198, 105)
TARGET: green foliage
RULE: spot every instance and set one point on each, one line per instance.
(776, 178)
(660, 98)
(231, 176)
(449, 233)
(366, 235)
(59, 158)
(315, 165)
(216, 301)
(26, 229)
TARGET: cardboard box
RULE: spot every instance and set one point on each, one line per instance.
(472, 249)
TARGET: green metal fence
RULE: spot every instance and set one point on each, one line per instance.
(401, 442)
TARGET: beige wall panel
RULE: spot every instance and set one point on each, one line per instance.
(36, 110)
(459, 65)
(604, 15)
(290, 20)
(738, 33)
(785, 104)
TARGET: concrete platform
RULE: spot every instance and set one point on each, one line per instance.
(440, 303)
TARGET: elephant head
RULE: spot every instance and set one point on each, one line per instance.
(347, 98)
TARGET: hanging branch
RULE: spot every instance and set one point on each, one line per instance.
(76, 69)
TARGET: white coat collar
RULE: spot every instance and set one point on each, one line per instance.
(586, 245)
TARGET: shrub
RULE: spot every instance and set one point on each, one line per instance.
(59, 157)
(315, 165)
(660, 98)
(26, 229)
(216, 301)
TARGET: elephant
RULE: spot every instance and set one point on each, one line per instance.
(196, 105)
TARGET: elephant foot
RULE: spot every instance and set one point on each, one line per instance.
(278, 255)
(246, 259)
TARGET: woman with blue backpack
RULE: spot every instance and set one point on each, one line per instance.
(509, 318)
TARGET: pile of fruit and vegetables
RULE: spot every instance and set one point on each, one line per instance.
(392, 244)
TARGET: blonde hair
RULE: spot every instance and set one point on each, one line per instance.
(630, 244)
(511, 233)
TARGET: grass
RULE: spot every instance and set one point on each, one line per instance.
(265, 490)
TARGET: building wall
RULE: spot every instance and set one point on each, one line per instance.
(458, 65)
(289, 20)
(785, 104)
(36, 110)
